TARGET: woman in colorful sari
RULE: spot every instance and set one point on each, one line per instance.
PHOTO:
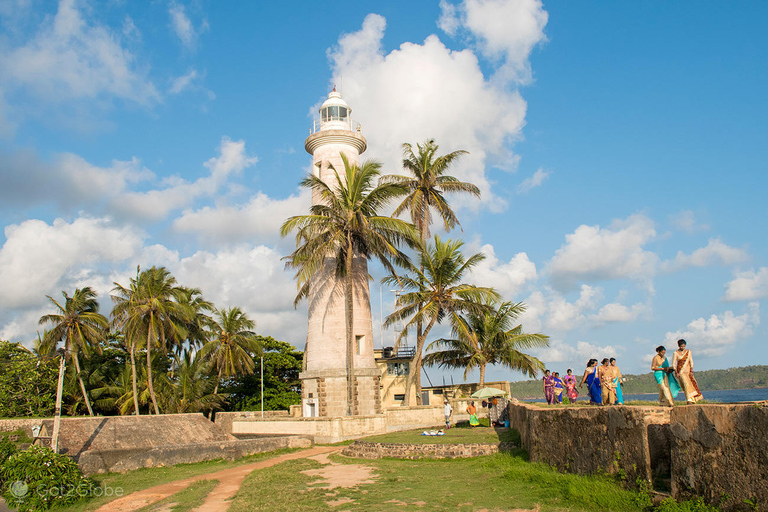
(472, 411)
(549, 387)
(558, 388)
(570, 386)
(593, 383)
(617, 378)
(605, 372)
(682, 361)
(665, 378)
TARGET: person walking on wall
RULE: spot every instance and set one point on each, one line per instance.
(682, 362)
(558, 388)
(665, 378)
(593, 383)
(447, 410)
(617, 379)
(606, 382)
(472, 411)
(570, 386)
(549, 387)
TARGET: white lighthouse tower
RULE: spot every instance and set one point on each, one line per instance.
(338, 380)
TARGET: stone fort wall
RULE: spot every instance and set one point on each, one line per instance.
(719, 452)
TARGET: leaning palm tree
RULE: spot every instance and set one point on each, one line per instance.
(436, 290)
(232, 344)
(488, 337)
(427, 185)
(79, 325)
(346, 224)
(150, 308)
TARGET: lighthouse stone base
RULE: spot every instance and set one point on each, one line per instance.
(324, 393)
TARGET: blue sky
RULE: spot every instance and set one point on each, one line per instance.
(620, 148)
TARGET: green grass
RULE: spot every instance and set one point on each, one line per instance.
(186, 499)
(496, 482)
(460, 434)
(140, 479)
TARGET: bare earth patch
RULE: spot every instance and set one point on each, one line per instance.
(335, 475)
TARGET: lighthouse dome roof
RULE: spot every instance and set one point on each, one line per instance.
(335, 100)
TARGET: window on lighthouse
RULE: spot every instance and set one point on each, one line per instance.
(334, 113)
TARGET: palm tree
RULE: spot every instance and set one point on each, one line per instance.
(437, 290)
(197, 327)
(232, 344)
(190, 390)
(427, 185)
(79, 325)
(489, 337)
(343, 226)
(150, 308)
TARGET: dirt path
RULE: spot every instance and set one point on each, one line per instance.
(217, 500)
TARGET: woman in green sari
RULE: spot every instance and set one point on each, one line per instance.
(665, 377)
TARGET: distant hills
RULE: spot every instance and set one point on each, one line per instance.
(744, 377)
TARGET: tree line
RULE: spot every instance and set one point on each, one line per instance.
(347, 222)
(163, 348)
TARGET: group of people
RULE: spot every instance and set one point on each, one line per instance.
(604, 380)
(554, 387)
(603, 384)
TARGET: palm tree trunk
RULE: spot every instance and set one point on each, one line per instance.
(134, 385)
(149, 363)
(482, 376)
(414, 375)
(57, 410)
(349, 307)
(218, 381)
(82, 384)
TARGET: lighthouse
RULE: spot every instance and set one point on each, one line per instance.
(338, 380)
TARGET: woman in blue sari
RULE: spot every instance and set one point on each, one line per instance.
(665, 377)
(593, 383)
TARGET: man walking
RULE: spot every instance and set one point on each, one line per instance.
(447, 410)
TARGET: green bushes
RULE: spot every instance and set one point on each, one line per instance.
(39, 479)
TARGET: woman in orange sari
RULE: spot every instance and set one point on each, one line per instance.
(682, 362)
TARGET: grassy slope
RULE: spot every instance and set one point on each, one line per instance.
(497, 482)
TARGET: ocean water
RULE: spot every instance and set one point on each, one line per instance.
(718, 395)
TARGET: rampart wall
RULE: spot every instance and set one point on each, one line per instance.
(718, 452)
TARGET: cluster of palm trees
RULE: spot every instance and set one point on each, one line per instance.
(195, 345)
(349, 222)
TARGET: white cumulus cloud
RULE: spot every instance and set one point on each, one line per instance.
(40, 259)
(506, 30)
(749, 285)
(183, 27)
(717, 334)
(72, 57)
(507, 277)
(258, 220)
(156, 204)
(592, 253)
(443, 94)
(714, 253)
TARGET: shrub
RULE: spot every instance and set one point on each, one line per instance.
(7, 448)
(39, 479)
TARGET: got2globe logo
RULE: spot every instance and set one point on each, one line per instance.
(19, 489)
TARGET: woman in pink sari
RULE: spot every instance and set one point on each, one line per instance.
(549, 387)
(570, 386)
(682, 362)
